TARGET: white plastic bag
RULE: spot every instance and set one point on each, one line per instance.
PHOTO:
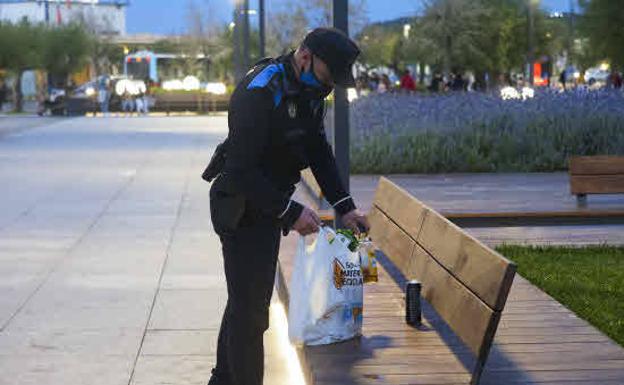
(326, 297)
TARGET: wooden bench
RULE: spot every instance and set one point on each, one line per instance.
(596, 175)
(318, 203)
(190, 101)
(465, 285)
(466, 282)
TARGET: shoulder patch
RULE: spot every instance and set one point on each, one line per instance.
(264, 77)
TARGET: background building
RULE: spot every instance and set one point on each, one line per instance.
(105, 17)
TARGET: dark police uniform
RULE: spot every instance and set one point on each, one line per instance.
(275, 130)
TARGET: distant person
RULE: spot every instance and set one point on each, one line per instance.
(361, 84)
(436, 82)
(104, 95)
(384, 84)
(471, 82)
(563, 78)
(147, 99)
(407, 82)
(138, 103)
(373, 82)
(127, 103)
(457, 83)
(616, 80)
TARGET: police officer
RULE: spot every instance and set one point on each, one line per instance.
(275, 130)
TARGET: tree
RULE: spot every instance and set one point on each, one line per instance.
(290, 23)
(382, 45)
(105, 56)
(286, 30)
(66, 49)
(460, 28)
(603, 24)
(20, 50)
(319, 13)
(484, 36)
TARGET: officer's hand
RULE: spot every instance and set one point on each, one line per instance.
(307, 223)
(356, 221)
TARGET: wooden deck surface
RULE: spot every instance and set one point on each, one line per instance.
(527, 193)
(500, 194)
(538, 341)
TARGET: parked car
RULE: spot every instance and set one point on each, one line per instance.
(596, 75)
(84, 98)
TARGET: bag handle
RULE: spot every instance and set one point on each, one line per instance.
(324, 230)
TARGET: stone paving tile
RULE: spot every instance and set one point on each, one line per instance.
(180, 342)
(59, 315)
(64, 369)
(195, 262)
(172, 370)
(188, 309)
(50, 244)
(112, 342)
(193, 282)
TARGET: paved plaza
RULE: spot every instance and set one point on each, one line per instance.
(110, 272)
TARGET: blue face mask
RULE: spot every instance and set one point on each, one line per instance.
(308, 78)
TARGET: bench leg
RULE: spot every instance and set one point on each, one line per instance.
(581, 199)
(476, 373)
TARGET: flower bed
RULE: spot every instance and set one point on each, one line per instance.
(475, 132)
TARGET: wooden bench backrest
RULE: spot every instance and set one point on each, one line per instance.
(596, 174)
(466, 282)
(310, 182)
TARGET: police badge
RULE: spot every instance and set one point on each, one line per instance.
(292, 110)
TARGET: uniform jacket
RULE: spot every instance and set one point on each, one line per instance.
(275, 131)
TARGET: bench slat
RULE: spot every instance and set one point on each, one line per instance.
(465, 313)
(596, 165)
(389, 238)
(482, 270)
(308, 178)
(398, 204)
(597, 184)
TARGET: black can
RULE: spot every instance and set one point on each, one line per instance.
(412, 303)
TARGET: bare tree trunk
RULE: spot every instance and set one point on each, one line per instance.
(448, 42)
(17, 92)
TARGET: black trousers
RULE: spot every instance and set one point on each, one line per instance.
(250, 257)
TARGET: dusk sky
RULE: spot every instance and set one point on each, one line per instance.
(169, 16)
